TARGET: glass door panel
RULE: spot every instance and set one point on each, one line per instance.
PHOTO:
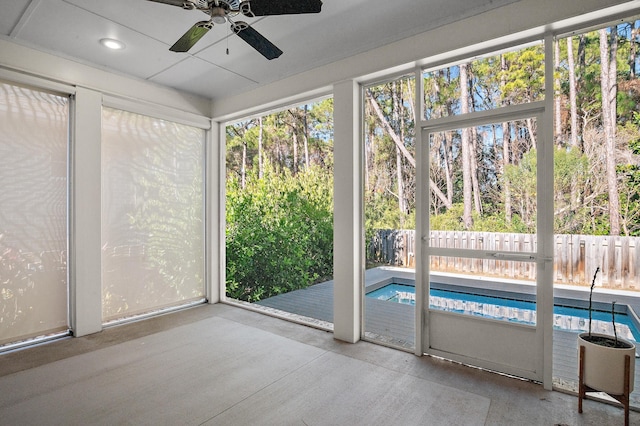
(481, 245)
(488, 292)
(483, 182)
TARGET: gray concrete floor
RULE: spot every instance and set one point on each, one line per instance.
(223, 365)
(393, 323)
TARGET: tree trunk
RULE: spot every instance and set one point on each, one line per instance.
(368, 153)
(244, 164)
(608, 71)
(557, 137)
(633, 51)
(506, 145)
(400, 183)
(446, 144)
(294, 139)
(448, 167)
(467, 199)
(531, 131)
(387, 127)
(575, 195)
(260, 153)
(477, 201)
(582, 51)
(581, 63)
(407, 155)
(403, 175)
(506, 142)
(306, 136)
(573, 105)
(397, 117)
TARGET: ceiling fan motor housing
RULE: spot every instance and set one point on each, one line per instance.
(206, 5)
(221, 11)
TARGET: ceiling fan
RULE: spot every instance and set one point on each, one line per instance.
(222, 11)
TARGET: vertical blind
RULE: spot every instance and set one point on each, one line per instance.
(152, 214)
(33, 213)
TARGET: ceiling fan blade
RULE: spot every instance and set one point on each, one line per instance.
(256, 40)
(180, 3)
(191, 37)
(253, 8)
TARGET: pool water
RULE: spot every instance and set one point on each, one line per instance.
(519, 311)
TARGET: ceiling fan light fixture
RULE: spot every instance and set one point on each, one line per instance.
(112, 43)
(218, 15)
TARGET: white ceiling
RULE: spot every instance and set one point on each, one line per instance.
(72, 29)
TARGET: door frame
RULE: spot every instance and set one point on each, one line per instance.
(514, 348)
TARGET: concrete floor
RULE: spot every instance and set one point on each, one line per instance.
(223, 365)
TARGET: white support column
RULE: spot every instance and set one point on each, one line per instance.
(85, 211)
(348, 273)
(215, 217)
(545, 221)
(422, 282)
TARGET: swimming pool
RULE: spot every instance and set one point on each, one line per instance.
(520, 311)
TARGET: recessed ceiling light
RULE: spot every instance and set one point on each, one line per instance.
(112, 43)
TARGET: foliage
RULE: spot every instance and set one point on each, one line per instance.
(524, 75)
(286, 138)
(498, 177)
(503, 155)
(279, 201)
(279, 232)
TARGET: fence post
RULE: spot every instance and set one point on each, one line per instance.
(581, 262)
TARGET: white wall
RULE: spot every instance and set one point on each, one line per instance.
(29, 61)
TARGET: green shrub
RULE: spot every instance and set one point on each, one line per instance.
(279, 233)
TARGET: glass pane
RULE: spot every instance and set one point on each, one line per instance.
(152, 214)
(488, 288)
(389, 209)
(279, 212)
(483, 187)
(596, 190)
(486, 83)
(33, 213)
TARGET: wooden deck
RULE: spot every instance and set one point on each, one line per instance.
(394, 324)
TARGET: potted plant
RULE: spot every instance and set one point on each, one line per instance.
(606, 363)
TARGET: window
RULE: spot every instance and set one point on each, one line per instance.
(494, 81)
(33, 213)
(152, 214)
(596, 190)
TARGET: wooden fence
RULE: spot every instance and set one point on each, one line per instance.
(575, 256)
